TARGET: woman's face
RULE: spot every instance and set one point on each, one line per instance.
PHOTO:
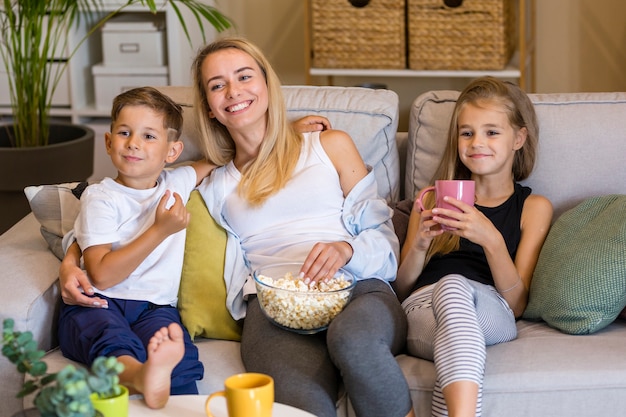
(236, 90)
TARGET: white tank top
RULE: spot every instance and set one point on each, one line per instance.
(306, 211)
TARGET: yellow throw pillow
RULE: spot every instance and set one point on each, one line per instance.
(202, 294)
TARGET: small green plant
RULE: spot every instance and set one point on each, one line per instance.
(66, 393)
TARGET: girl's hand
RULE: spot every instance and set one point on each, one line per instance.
(470, 223)
(324, 261)
(427, 228)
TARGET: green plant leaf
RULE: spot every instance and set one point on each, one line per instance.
(38, 368)
(34, 31)
(28, 388)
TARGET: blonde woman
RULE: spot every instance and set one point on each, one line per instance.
(283, 196)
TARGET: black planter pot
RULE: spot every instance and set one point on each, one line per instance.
(68, 157)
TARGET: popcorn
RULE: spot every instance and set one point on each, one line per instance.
(302, 306)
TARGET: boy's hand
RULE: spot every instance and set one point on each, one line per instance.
(174, 219)
(73, 280)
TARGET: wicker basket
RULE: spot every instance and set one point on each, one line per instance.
(477, 35)
(345, 36)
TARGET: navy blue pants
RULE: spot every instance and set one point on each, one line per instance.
(125, 328)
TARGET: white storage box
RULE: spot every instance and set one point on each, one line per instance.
(134, 39)
(111, 81)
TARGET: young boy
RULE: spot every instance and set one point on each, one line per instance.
(131, 230)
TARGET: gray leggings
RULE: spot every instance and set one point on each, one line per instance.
(358, 348)
(452, 322)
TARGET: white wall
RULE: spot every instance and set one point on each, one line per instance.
(581, 46)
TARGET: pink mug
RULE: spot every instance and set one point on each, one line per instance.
(458, 189)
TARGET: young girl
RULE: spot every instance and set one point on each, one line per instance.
(465, 287)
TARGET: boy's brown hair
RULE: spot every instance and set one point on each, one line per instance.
(152, 98)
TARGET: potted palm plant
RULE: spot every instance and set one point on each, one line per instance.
(72, 392)
(31, 32)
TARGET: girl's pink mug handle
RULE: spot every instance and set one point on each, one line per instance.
(421, 196)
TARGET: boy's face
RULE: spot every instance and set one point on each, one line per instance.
(138, 147)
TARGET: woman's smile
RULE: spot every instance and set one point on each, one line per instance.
(239, 106)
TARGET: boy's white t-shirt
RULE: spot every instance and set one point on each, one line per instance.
(116, 214)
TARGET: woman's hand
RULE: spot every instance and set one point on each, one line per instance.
(311, 124)
(324, 261)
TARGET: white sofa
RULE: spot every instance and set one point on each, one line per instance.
(542, 373)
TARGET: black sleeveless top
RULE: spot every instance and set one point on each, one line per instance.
(470, 260)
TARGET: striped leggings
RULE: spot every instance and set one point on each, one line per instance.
(451, 323)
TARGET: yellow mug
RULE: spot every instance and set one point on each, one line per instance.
(247, 395)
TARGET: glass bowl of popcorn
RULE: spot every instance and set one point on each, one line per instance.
(293, 305)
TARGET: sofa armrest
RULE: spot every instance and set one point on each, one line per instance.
(30, 294)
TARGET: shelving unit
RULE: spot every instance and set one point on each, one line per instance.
(78, 105)
(521, 66)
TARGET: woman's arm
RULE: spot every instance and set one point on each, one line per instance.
(373, 247)
(203, 168)
(325, 259)
(345, 157)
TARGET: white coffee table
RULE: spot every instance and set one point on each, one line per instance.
(193, 406)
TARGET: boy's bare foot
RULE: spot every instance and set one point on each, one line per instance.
(165, 349)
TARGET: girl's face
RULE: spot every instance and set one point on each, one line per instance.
(138, 146)
(235, 89)
(487, 142)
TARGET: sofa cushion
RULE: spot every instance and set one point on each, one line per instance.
(55, 206)
(202, 294)
(369, 116)
(579, 284)
(572, 127)
(543, 372)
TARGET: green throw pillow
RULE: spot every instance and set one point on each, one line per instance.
(579, 285)
(202, 295)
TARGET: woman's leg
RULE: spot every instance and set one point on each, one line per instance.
(469, 317)
(304, 376)
(363, 341)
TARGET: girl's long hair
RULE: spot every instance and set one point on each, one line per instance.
(280, 148)
(521, 114)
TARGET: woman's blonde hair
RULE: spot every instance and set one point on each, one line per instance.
(280, 148)
(521, 114)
